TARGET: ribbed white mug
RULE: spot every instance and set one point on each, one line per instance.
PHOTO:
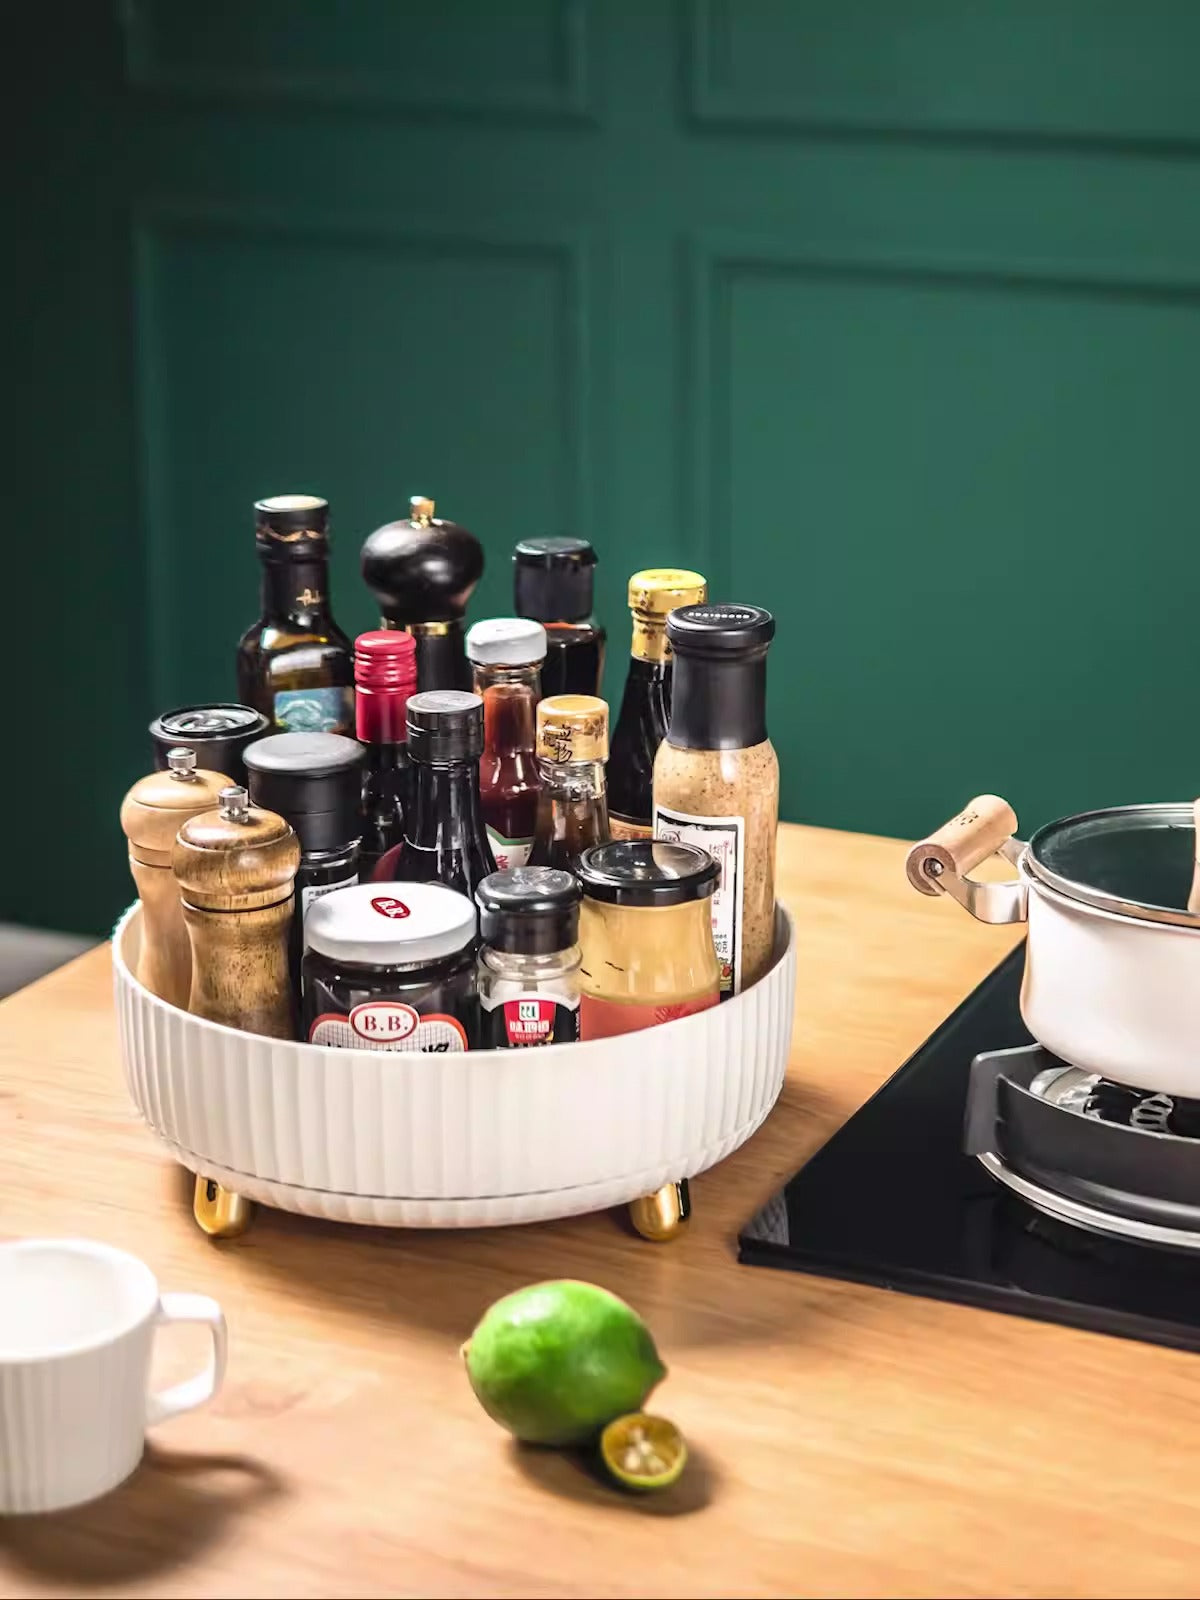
(77, 1323)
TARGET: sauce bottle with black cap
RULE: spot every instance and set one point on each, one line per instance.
(716, 775)
(422, 571)
(295, 664)
(529, 961)
(553, 580)
(444, 836)
(313, 781)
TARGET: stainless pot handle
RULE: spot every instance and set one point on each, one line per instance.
(941, 864)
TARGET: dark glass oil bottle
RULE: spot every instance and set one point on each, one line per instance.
(385, 678)
(444, 837)
(646, 705)
(295, 664)
(553, 581)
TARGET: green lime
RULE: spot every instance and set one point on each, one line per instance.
(643, 1452)
(556, 1361)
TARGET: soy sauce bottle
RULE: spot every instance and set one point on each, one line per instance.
(553, 580)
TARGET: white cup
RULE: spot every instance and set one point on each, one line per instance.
(77, 1322)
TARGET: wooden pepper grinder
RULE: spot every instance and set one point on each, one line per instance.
(236, 870)
(151, 815)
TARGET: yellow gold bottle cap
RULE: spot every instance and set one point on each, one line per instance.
(658, 590)
(572, 727)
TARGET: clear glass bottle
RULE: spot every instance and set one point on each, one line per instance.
(506, 654)
(529, 961)
(572, 747)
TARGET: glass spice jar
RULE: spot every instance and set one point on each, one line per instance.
(645, 934)
(529, 961)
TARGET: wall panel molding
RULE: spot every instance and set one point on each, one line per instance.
(255, 55)
(1027, 72)
(568, 251)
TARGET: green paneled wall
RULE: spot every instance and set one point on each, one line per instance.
(885, 313)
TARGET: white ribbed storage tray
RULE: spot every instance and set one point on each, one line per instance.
(487, 1137)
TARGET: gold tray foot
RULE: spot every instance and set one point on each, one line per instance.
(221, 1213)
(662, 1215)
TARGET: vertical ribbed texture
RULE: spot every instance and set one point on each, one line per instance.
(73, 1428)
(437, 1141)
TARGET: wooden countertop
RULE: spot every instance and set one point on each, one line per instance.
(845, 1440)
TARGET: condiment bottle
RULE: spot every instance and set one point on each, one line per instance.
(385, 676)
(572, 747)
(236, 868)
(313, 781)
(218, 733)
(645, 931)
(294, 665)
(444, 837)
(553, 581)
(716, 776)
(529, 960)
(151, 815)
(422, 571)
(646, 704)
(506, 654)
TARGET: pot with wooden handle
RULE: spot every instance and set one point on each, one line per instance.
(1112, 900)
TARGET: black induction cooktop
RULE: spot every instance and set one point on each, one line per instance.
(892, 1200)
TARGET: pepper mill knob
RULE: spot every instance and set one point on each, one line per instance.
(181, 764)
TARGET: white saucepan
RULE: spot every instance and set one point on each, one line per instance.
(1112, 899)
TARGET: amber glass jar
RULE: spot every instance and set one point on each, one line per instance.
(645, 933)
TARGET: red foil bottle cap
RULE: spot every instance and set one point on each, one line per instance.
(385, 674)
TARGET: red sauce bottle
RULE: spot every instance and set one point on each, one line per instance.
(506, 655)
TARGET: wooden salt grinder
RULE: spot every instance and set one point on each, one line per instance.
(236, 869)
(151, 815)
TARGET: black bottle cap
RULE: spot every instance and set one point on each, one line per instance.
(553, 579)
(445, 725)
(529, 911)
(314, 781)
(719, 699)
(218, 734)
(291, 526)
(647, 872)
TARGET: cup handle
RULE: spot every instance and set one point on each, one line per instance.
(192, 1392)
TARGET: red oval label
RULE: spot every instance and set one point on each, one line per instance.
(388, 906)
(381, 1020)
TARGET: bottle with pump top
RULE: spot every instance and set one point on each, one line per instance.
(553, 580)
(422, 571)
(294, 665)
(646, 705)
(151, 815)
(572, 747)
(506, 654)
(313, 781)
(385, 677)
(444, 837)
(236, 868)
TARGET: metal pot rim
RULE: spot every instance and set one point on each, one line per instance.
(1170, 813)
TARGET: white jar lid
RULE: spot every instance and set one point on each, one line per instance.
(390, 924)
(506, 642)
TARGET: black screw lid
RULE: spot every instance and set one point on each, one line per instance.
(529, 911)
(445, 725)
(314, 781)
(720, 630)
(218, 733)
(647, 872)
(553, 579)
(291, 526)
(719, 698)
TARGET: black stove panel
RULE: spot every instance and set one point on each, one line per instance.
(892, 1200)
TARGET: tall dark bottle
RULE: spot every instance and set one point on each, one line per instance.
(553, 580)
(646, 706)
(295, 664)
(385, 678)
(444, 836)
(422, 571)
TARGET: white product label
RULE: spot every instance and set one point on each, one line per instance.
(509, 852)
(390, 1025)
(317, 891)
(725, 840)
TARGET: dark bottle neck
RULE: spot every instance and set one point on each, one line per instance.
(441, 656)
(445, 809)
(718, 704)
(295, 591)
